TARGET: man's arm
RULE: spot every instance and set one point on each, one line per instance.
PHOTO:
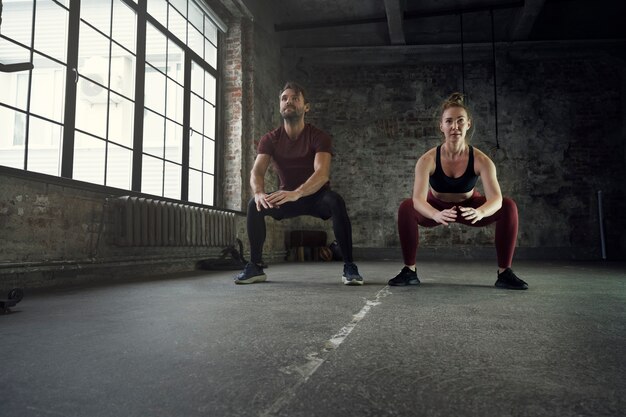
(320, 176)
(257, 180)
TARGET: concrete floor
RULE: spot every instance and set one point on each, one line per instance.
(302, 344)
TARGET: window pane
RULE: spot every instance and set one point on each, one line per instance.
(195, 186)
(121, 120)
(195, 16)
(12, 53)
(155, 90)
(175, 96)
(124, 25)
(195, 151)
(175, 63)
(210, 30)
(119, 163)
(177, 25)
(97, 13)
(173, 142)
(48, 88)
(44, 146)
(207, 189)
(14, 91)
(196, 41)
(91, 108)
(209, 120)
(93, 55)
(197, 78)
(51, 30)
(210, 54)
(122, 72)
(172, 180)
(195, 121)
(12, 138)
(17, 21)
(153, 133)
(89, 155)
(209, 156)
(180, 5)
(152, 175)
(158, 9)
(210, 88)
(156, 43)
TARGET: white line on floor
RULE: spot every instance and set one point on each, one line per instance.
(315, 359)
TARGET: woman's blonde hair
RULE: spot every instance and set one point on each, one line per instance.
(455, 100)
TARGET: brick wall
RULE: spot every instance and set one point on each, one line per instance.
(561, 137)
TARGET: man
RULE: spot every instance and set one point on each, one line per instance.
(301, 154)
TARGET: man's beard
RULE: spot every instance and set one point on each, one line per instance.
(293, 116)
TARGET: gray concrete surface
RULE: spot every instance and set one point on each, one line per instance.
(302, 344)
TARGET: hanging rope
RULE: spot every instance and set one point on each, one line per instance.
(495, 92)
(462, 55)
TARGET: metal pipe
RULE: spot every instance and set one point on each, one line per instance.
(601, 222)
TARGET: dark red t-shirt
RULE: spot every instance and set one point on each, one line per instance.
(293, 159)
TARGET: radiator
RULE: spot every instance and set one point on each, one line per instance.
(140, 221)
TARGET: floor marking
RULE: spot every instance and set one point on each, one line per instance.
(315, 359)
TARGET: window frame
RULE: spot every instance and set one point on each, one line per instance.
(70, 98)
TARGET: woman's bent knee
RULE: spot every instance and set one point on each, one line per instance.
(406, 206)
(509, 205)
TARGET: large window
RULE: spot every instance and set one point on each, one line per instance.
(122, 93)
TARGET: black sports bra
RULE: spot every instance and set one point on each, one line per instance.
(441, 183)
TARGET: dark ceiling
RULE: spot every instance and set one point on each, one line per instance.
(359, 23)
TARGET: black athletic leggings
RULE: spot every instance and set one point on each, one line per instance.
(324, 204)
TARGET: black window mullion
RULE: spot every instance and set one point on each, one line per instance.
(71, 78)
(140, 78)
(218, 197)
(184, 191)
(29, 89)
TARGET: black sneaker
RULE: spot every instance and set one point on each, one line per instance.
(510, 281)
(405, 277)
(251, 273)
(351, 275)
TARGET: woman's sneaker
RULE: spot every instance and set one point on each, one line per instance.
(251, 273)
(510, 281)
(351, 275)
(405, 277)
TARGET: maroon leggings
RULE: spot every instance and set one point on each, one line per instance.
(505, 219)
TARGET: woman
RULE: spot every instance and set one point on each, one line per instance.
(444, 193)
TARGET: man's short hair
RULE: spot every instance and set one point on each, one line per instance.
(292, 85)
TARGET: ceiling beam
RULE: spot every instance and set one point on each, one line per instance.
(407, 15)
(395, 21)
(525, 20)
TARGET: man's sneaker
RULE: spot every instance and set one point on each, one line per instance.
(351, 275)
(405, 277)
(251, 273)
(510, 281)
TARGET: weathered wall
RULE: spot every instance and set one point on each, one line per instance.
(56, 232)
(561, 134)
(561, 125)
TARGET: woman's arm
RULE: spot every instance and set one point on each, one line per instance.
(486, 169)
(423, 169)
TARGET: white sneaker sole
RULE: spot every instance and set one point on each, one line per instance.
(251, 280)
(353, 282)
